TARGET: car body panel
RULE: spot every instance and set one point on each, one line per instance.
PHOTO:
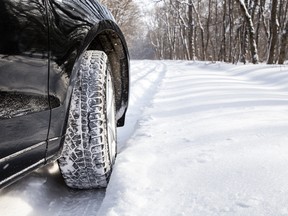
(23, 85)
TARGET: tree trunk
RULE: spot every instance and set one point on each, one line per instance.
(203, 55)
(284, 42)
(248, 19)
(191, 31)
(208, 23)
(231, 27)
(223, 44)
(274, 32)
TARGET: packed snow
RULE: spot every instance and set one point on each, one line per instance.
(201, 139)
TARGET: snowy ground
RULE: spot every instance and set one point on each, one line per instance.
(200, 140)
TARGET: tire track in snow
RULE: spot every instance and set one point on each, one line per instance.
(141, 69)
(145, 80)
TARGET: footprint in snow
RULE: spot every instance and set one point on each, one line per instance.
(248, 203)
(205, 156)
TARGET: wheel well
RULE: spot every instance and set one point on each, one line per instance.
(109, 42)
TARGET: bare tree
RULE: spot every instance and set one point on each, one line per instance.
(248, 19)
(284, 43)
(228, 30)
(274, 32)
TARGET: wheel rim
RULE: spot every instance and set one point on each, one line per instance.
(111, 122)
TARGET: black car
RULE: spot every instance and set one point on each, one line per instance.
(64, 84)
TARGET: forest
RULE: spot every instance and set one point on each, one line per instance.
(207, 30)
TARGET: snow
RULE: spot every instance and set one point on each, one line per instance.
(200, 139)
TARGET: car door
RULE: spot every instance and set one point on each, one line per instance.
(24, 102)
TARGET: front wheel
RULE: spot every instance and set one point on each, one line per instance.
(89, 149)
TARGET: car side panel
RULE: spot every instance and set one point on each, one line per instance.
(19, 153)
(24, 102)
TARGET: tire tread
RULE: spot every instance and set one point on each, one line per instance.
(84, 162)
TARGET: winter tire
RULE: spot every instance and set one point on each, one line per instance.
(89, 149)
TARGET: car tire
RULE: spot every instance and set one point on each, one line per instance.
(89, 149)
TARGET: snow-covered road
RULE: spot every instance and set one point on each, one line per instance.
(200, 140)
